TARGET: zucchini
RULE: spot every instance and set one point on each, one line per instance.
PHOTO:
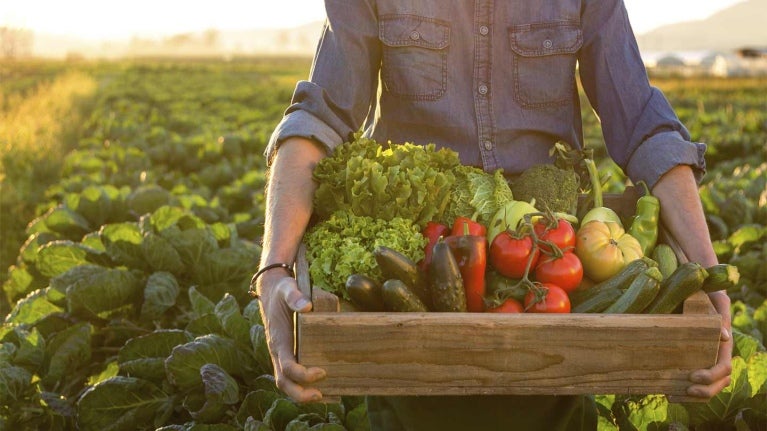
(666, 258)
(364, 292)
(598, 303)
(395, 265)
(649, 260)
(683, 282)
(447, 292)
(721, 276)
(640, 293)
(397, 296)
(619, 281)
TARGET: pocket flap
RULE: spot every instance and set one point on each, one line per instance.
(413, 30)
(532, 40)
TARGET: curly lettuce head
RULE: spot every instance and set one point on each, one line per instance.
(402, 180)
(343, 245)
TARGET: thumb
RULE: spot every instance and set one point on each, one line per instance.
(724, 335)
(292, 296)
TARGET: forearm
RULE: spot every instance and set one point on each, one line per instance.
(289, 195)
(682, 214)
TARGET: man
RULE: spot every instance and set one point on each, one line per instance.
(494, 81)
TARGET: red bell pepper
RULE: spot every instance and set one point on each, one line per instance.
(433, 231)
(470, 251)
(475, 228)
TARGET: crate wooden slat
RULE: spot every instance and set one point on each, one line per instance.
(368, 353)
(475, 353)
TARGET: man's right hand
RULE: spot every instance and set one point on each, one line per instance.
(280, 298)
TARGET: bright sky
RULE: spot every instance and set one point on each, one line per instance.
(99, 19)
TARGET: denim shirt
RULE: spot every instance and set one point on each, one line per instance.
(493, 80)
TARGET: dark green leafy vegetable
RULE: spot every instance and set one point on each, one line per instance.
(160, 295)
(221, 390)
(144, 356)
(184, 363)
(66, 352)
(122, 403)
(105, 292)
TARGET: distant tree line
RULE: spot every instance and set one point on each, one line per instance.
(15, 42)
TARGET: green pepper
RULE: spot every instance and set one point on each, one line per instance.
(644, 226)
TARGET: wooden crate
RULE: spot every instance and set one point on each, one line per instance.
(381, 353)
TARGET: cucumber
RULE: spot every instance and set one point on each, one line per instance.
(395, 265)
(640, 293)
(721, 276)
(683, 282)
(666, 258)
(619, 281)
(397, 296)
(364, 292)
(447, 292)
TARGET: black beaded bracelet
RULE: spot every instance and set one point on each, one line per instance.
(252, 287)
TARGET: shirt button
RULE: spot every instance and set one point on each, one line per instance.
(488, 145)
(483, 30)
(415, 35)
(482, 89)
(547, 43)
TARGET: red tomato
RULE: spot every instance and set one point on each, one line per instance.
(562, 235)
(565, 271)
(472, 227)
(510, 305)
(555, 301)
(509, 255)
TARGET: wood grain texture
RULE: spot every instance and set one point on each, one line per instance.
(476, 353)
(325, 301)
(698, 303)
(302, 271)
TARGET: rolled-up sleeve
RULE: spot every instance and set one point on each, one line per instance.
(303, 122)
(661, 152)
(642, 133)
(336, 99)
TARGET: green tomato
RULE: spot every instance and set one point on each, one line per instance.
(601, 214)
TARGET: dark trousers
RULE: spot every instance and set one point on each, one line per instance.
(482, 413)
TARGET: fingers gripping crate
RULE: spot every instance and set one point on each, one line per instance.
(383, 353)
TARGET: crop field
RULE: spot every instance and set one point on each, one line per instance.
(131, 211)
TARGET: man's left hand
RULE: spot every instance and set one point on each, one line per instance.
(708, 382)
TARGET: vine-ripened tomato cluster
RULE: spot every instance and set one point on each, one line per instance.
(541, 255)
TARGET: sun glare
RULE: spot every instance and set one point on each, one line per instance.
(96, 20)
(152, 18)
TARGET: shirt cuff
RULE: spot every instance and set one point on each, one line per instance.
(662, 152)
(304, 125)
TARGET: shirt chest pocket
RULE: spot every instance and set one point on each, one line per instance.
(414, 63)
(543, 63)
